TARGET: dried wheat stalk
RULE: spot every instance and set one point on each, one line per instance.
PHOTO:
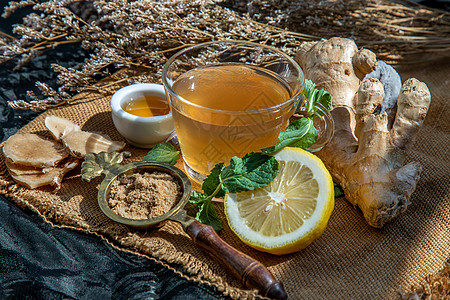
(125, 34)
(392, 29)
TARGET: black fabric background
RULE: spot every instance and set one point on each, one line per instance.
(38, 261)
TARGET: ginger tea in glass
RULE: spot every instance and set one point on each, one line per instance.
(229, 98)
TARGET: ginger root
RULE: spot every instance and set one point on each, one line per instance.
(366, 156)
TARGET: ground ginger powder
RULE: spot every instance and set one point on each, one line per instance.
(144, 195)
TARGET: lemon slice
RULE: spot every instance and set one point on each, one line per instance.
(291, 212)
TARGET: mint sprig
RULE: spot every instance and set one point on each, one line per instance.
(301, 133)
(254, 170)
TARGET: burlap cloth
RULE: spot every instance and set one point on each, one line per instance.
(351, 260)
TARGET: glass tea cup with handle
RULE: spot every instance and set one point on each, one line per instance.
(230, 98)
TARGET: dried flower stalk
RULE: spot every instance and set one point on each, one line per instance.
(128, 34)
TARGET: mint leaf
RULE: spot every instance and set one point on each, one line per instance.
(306, 140)
(211, 187)
(309, 91)
(324, 98)
(207, 215)
(212, 182)
(254, 170)
(163, 152)
(309, 88)
(338, 192)
(314, 96)
(300, 133)
(236, 167)
(197, 197)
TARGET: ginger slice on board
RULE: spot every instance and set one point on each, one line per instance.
(52, 175)
(33, 150)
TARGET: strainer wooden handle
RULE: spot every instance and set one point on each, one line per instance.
(251, 272)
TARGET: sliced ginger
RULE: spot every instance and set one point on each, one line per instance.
(77, 141)
(60, 126)
(34, 151)
(34, 161)
(367, 153)
(34, 177)
(19, 169)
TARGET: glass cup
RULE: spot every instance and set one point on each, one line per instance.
(229, 98)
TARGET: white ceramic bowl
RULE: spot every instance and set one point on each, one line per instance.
(143, 132)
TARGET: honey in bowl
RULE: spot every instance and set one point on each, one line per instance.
(147, 106)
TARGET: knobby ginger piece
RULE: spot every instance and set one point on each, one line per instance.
(392, 83)
(366, 156)
(33, 150)
(364, 62)
(329, 64)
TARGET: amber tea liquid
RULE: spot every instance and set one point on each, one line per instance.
(231, 113)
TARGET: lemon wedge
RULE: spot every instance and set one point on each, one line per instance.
(289, 213)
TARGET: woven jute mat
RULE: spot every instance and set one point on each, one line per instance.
(351, 260)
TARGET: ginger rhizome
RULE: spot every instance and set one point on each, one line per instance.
(366, 156)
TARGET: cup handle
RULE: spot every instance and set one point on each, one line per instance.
(251, 272)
